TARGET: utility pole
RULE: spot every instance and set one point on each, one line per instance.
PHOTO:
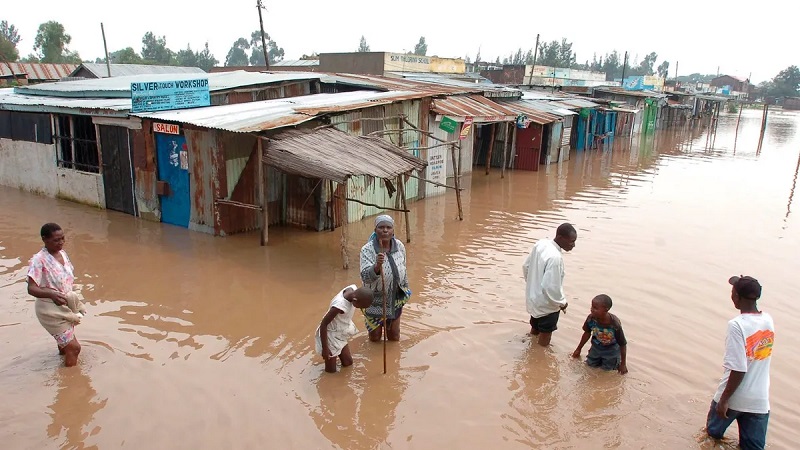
(535, 52)
(105, 48)
(624, 65)
(676, 72)
(260, 6)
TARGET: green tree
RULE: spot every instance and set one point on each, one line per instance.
(663, 69)
(421, 48)
(237, 55)
(206, 60)
(9, 38)
(155, 51)
(274, 53)
(125, 56)
(646, 66)
(786, 83)
(612, 66)
(186, 58)
(51, 44)
(363, 46)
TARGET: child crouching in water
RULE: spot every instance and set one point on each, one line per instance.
(339, 327)
(608, 340)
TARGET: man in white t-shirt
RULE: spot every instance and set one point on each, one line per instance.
(543, 271)
(743, 393)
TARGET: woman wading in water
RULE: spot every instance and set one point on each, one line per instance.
(383, 254)
(50, 279)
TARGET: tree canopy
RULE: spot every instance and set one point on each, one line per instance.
(363, 46)
(421, 49)
(51, 44)
(9, 38)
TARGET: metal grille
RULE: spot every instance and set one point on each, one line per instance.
(76, 143)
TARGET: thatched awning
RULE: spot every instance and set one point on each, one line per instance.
(334, 155)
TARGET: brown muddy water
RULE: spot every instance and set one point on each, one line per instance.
(202, 342)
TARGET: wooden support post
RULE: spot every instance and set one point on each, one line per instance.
(763, 128)
(401, 185)
(262, 193)
(491, 149)
(343, 241)
(505, 151)
(333, 206)
(456, 177)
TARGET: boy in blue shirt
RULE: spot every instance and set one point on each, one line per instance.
(609, 346)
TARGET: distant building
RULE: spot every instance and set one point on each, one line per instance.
(32, 73)
(290, 65)
(731, 85)
(99, 70)
(382, 63)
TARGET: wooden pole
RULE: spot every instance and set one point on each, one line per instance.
(333, 207)
(262, 193)
(491, 148)
(260, 6)
(345, 220)
(105, 48)
(456, 177)
(763, 127)
(401, 184)
(383, 323)
(505, 151)
(513, 156)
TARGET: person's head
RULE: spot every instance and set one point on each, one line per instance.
(566, 235)
(384, 227)
(745, 291)
(53, 237)
(600, 306)
(362, 297)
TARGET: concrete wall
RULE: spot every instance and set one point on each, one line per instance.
(81, 187)
(28, 166)
(32, 167)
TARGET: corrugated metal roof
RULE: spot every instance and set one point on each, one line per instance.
(398, 84)
(538, 95)
(574, 102)
(481, 109)
(623, 91)
(533, 110)
(121, 86)
(296, 63)
(331, 154)
(123, 70)
(11, 101)
(38, 71)
(487, 89)
(271, 114)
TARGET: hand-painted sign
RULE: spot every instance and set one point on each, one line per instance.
(522, 121)
(166, 95)
(448, 124)
(465, 128)
(166, 128)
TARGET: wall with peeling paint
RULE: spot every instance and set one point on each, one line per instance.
(28, 166)
(81, 187)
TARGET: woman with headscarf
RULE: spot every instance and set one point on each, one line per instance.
(50, 280)
(384, 255)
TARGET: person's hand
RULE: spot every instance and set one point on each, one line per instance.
(576, 354)
(722, 408)
(75, 319)
(58, 298)
(379, 262)
(623, 369)
(564, 308)
(326, 353)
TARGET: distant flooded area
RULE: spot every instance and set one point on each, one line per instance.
(196, 341)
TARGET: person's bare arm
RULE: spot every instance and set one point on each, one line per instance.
(584, 340)
(734, 380)
(34, 290)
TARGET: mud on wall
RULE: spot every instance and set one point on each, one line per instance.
(28, 166)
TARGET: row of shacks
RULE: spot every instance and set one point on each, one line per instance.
(306, 149)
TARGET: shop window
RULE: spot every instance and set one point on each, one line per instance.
(76, 143)
(24, 126)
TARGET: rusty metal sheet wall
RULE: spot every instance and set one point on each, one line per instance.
(145, 176)
(239, 147)
(205, 178)
(235, 219)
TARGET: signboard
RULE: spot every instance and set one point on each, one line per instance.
(465, 128)
(522, 121)
(448, 124)
(436, 171)
(399, 62)
(166, 95)
(566, 136)
(166, 128)
(633, 83)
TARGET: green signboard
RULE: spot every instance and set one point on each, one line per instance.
(448, 124)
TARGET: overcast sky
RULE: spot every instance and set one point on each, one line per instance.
(701, 35)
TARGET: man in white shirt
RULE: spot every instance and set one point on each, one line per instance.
(544, 282)
(743, 393)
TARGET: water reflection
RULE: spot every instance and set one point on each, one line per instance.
(73, 409)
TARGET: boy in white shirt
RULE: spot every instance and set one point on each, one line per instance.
(337, 327)
(743, 393)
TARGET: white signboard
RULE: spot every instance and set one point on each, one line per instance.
(436, 171)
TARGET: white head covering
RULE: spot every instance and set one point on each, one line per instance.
(383, 218)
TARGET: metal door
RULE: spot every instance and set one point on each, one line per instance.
(529, 144)
(173, 168)
(115, 145)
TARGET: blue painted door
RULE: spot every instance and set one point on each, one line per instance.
(173, 167)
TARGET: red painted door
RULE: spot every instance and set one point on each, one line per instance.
(529, 145)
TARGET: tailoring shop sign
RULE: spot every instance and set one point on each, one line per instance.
(171, 94)
(465, 128)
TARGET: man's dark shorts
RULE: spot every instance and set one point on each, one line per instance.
(545, 324)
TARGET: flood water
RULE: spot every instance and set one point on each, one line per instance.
(201, 342)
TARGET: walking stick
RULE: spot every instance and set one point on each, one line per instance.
(385, 327)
